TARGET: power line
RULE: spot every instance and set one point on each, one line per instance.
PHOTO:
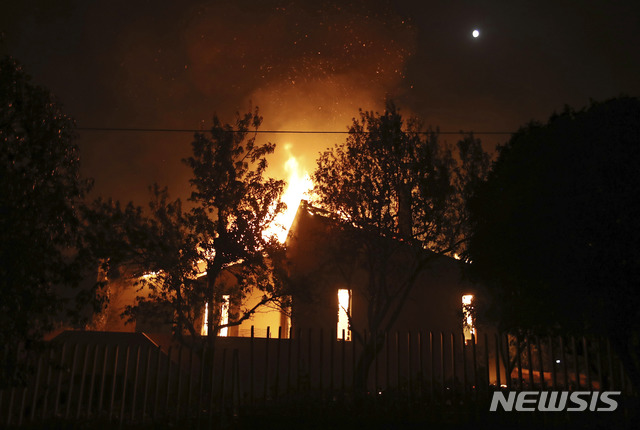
(190, 130)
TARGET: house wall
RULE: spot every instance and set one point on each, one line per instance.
(265, 316)
(321, 263)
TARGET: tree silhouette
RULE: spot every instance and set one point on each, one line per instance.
(554, 227)
(400, 195)
(188, 259)
(42, 248)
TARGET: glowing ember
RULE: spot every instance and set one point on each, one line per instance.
(298, 184)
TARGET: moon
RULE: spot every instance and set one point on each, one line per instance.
(475, 33)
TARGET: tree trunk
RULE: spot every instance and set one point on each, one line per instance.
(370, 350)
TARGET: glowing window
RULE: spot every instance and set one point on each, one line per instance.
(224, 316)
(344, 311)
(205, 321)
(468, 323)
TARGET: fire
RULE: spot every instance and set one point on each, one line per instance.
(298, 185)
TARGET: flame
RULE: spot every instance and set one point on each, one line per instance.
(298, 185)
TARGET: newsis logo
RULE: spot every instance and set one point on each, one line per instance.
(555, 401)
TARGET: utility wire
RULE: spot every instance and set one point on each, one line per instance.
(188, 130)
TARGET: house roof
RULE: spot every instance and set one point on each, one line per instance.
(309, 218)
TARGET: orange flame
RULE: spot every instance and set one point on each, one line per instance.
(298, 185)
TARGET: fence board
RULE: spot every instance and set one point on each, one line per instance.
(73, 380)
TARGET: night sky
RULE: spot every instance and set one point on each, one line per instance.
(309, 65)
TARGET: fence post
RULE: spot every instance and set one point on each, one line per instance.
(576, 365)
(586, 362)
(113, 381)
(387, 359)
(541, 363)
(599, 361)
(266, 365)
(332, 342)
(36, 388)
(10, 408)
(420, 366)
(519, 361)
(290, 346)
(73, 373)
(465, 381)
(496, 339)
(309, 367)
(475, 366)
(554, 376)
(157, 387)
(104, 377)
(235, 382)
(84, 372)
(93, 378)
(486, 363)
(124, 385)
(375, 363)
(453, 366)
(409, 366)
(135, 384)
(432, 375)
(251, 366)
(353, 360)
(612, 383)
(344, 342)
(146, 384)
(179, 387)
(623, 379)
(22, 404)
(321, 364)
(211, 381)
(201, 385)
(59, 386)
(222, 383)
(277, 376)
(398, 361)
(564, 364)
(168, 392)
(442, 377)
(507, 364)
(48, 386)
(23, 401)
(530, 359)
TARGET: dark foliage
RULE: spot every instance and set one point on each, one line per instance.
(182, 260)
(401, 195)
(555, 227)
(42, 248)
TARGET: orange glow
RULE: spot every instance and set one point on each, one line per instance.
(224, 316)
(344, 310)
(468, 326)
(298, 185)
(205, 321)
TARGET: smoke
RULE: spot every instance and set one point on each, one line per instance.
(308, 65)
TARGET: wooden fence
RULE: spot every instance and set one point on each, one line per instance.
(136, 384)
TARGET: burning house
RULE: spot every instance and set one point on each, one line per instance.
(340, 279)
